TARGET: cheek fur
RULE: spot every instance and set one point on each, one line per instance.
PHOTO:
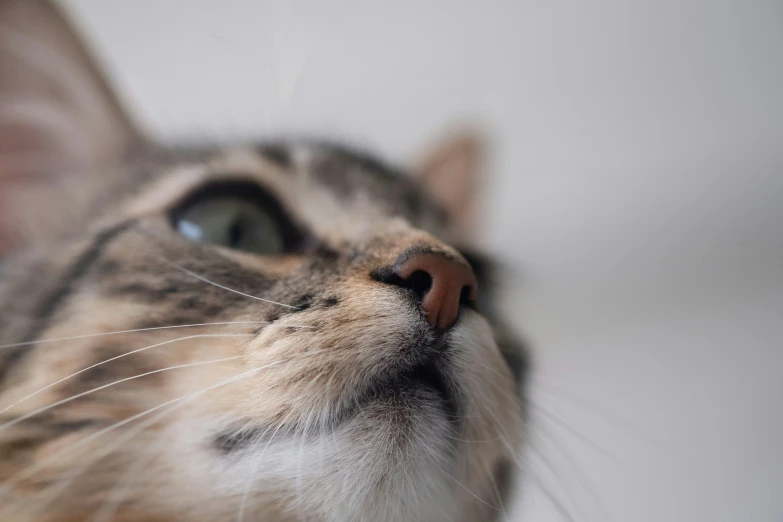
(330, 352)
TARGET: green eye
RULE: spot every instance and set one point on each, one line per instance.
(235, 215)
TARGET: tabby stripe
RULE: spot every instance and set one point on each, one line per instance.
(73, 275)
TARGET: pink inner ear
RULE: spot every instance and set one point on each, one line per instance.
(37, 149)
(38, 140)
(452, 172)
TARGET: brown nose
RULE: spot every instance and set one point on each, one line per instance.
(441, 283)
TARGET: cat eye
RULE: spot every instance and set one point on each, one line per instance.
(239, 215)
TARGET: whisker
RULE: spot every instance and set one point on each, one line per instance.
(156, 345)
(506, 441)
(208, 281)
(246, 492)
(559, 507)
(28, 472)
(146, 230)
(471, 493)
(117, 332)
(585, 482)
(278, 277)
(578, 400)
(556, 419)
(108, 509)
(250, 476)
(497, 492)
(470, 441)
(48, 407)
(558, 479)
(305, 431)
(53, 491)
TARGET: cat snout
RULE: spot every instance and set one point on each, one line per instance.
(441, 283)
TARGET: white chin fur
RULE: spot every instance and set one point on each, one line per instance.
(397, 459)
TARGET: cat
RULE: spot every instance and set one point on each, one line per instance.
(286, 331)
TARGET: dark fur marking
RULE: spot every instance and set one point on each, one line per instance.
(225, 272)
(62, 428)
(40, 432)
(276, 152)
(149, 293)
(111, 372)
(503, 475)
(165, 322)
(367, 161)
(107, 268)
(79, 269)
(331, 301)
(516, 357)
(348, 171)
(325, 254)
(212, 311)
(16, 447)
(74, 274)
(414, 202)
(95, 376)
(303, 302)
(190, 302)
(236, 439)
(322, 260)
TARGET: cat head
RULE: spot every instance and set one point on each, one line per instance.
(282, 331)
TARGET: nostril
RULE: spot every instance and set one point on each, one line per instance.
(441, 284)
(466, 297)
(420, 282)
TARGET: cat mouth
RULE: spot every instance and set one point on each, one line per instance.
(424, 381)
(427, 376)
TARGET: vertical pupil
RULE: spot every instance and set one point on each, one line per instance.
(235, 233)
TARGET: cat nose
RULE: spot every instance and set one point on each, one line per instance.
(442, 284)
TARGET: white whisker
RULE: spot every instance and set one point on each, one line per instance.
(145, 229)
(471, 493)
(117, 332)
(251, 476)
(156, 345)
(495, 489)
(121, 489)
(580, 475)
(208, 281)
(48, 407)
(558, 479)
(559, 507)
(28, 472)
(559, 421)
(614, 419)
(31, 470)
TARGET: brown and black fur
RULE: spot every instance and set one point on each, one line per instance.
(324, 419)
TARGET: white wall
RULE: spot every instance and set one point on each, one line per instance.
(637, 184)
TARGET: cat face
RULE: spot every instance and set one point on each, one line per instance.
(285, 331)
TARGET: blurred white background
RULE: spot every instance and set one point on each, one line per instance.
(636, 183)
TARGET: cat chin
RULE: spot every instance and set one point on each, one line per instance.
(392, 462)
(401, 454)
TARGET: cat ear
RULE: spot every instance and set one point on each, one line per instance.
(58, 116)
(452, 172)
